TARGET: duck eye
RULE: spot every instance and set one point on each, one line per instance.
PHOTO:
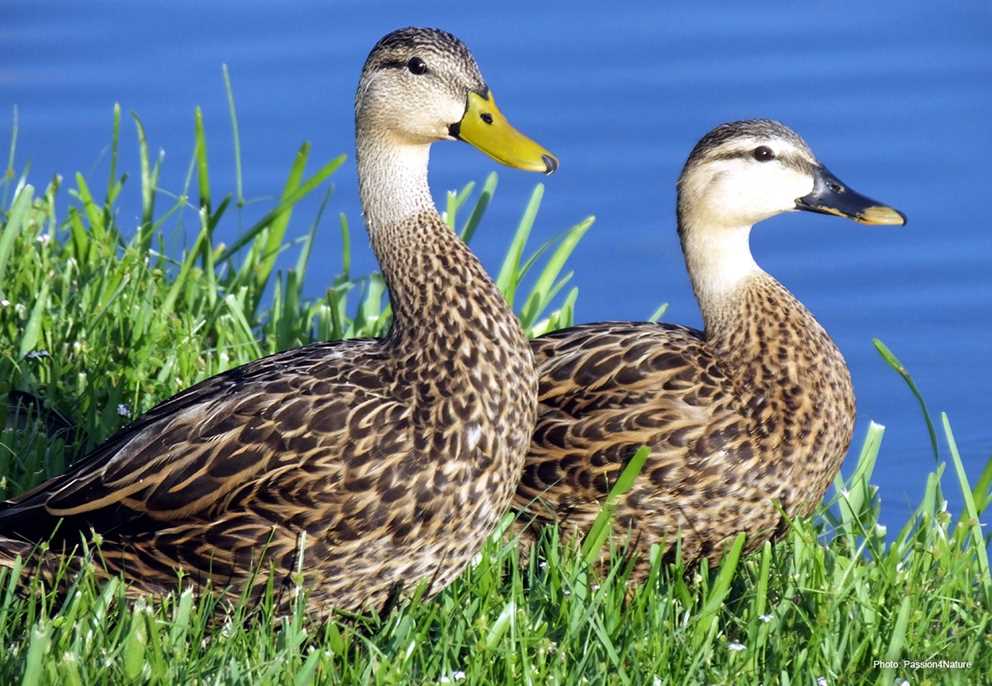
(416, 66)
(763, 153)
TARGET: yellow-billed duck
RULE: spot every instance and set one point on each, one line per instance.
(366, 464)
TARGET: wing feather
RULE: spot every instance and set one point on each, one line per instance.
(605, 390)
(189, 453)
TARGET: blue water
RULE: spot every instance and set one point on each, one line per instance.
(894, 97)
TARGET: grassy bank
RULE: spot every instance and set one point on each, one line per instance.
(98, 324)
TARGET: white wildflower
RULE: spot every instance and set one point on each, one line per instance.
(38, 354)
(4, 302)
(821, 681)
(451, 678)
(656, 681)
(123, 410)
(44, 238)
(228, 629)
(20, 309)
(735, 647)
(766, 618)
(904, 682)
(881, 530)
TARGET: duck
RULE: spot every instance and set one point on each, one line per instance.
(352, 470)
(746, 421)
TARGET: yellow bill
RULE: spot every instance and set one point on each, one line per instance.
(485, 127)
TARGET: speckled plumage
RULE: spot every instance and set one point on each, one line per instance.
(745, 421)
(384, 463)
(732, 436)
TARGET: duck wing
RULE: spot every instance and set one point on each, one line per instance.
(607, 389)
(249, 458)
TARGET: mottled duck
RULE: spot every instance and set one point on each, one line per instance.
(745, 420)
(368, 465)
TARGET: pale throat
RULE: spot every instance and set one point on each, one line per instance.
(719, 261)
(392, 179)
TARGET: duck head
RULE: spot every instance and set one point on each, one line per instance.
(421, 85)
(744, 172)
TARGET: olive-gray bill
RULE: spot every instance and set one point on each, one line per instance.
(830, 195)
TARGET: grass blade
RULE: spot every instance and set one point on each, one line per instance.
(41, 640)
(149, 184)
(602, 525)
(301, 192)
(975, 525)
(479, 209)
(544, 288)
(15, 222)
(506, 280)
(9, 172)
(235, 136)
(898, 638)
(901, 370)
(718, 593)
(202, 167)
(32, 330)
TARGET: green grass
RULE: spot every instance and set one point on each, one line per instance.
(97, 323)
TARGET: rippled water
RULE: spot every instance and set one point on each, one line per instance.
(894, 97)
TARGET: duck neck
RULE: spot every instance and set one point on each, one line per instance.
(743, 307)
(790, 377)
(392, 180)
(438, 290)
(720, 264)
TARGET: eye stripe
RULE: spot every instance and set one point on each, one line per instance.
(796, 162)
(414, 64)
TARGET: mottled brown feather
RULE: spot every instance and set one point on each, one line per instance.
(735, 437)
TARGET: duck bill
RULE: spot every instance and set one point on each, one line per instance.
(485, 127)
(832, 196)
